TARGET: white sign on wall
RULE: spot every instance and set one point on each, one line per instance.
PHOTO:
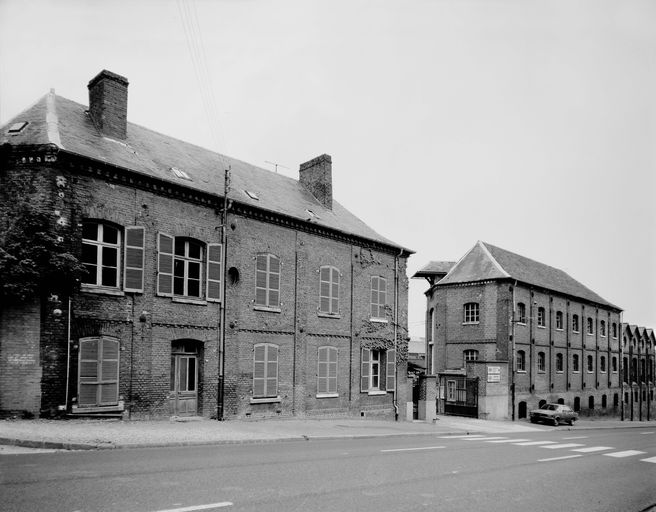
(494, 373)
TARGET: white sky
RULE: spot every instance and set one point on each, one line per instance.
(527, 124)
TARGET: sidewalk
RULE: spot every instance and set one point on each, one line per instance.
(109, 434)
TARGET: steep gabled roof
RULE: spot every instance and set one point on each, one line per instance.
(486, 262)
(67, 125)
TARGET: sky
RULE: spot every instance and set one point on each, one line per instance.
(529, 125)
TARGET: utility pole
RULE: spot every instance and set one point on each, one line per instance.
(222, 310)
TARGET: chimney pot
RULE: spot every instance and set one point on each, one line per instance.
(317, 177)
(108, 103)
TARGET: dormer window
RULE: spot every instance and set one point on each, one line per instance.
(17, 127)
(179, 173)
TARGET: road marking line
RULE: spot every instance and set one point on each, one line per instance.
(645, 433)
(461, 436)
(198, 507)
(593, 449)
(484, 438)
(564, 445)
(412, 449)
(509, 441)
(535, 443)
(627, 453)
(560, 458)
(650, 459)
(575, 437)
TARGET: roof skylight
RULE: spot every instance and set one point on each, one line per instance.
(181, 174)
(17, 127)
(252, 195)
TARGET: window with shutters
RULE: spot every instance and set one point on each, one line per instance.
(327, 372)
(378, 371)
(98, 372)
(267, 282)
(378, 298)
(470, 313)
(101, 254)
(189, 270)
(329, 291)
(265, 371)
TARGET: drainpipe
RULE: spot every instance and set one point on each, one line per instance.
(396, 321)
(514, 357)
(621, 383)
(222, 307)
(68, 354)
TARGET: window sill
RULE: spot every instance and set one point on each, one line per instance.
(270, 400)
(521, 371)
(521, 323)
(559, 328)
(560, 371)
(76, 409)
(327, 395)
(377, 392)
(542, 326)
(471, 323)
(576, 332)
(267, 309)
(185, 300)
(379, 320)
(328, 315)
(89, 288)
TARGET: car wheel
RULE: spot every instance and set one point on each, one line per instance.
(571, 422)
(556, 420)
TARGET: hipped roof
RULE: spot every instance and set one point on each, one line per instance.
(486, 262)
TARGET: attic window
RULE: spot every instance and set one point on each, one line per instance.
(181, 174)
(17, 127)
(252, 195)
(312, 214)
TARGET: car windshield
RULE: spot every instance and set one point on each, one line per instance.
(549, 407)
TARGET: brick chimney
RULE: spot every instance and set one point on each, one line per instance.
(108, 104)
(317, 177)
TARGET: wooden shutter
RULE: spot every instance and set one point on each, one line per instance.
(109, 372)
(364, 369)
(390, 370)
(88, 373)
(261, 272)
(133, 274)
(214, 271)
(165, 265)
(322, 370)
(332, 370)
(272, 371)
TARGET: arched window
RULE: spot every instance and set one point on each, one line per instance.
(575, 363)
(559, 320)
(614, 330)
(470, 355)
(614, 364)
(471, 313)
(591, 402)
(542, 317)
(521, 313)
(577, 404)
(541, 362)
(602, 364)
(575, 323)
(559, 362)
(602, 328)
(590, 363)
(590, 326)
(604, 401)
(521, 361)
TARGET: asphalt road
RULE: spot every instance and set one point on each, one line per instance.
(595, 470)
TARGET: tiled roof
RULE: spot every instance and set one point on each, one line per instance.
(487, 262)
(65, 123)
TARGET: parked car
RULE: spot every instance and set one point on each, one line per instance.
(553, 413)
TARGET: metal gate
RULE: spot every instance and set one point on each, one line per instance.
(460, 396)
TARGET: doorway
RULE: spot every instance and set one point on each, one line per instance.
(184, 378)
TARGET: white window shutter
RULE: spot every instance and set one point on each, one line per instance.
(390, 384)
(364, 372)
(165, 264)
(133, 272)
(214, 272)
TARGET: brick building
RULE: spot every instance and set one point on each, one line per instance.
(506, 333)
(232, 294)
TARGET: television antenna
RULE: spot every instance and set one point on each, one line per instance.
(276, 165)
